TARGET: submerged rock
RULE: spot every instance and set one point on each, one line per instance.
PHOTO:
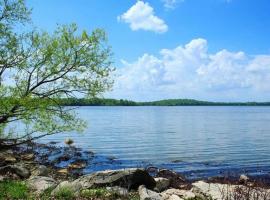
(128, 178)
(63, 171)
(77, 165)
(40, 183)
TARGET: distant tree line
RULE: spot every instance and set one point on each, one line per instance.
(167, 102)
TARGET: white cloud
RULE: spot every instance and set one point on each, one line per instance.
(171, 4)
(141, 16)
(190, 71)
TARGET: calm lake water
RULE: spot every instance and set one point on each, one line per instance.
(197, 141)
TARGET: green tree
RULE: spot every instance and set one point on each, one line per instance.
(37, 69)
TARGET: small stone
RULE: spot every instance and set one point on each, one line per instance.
(69, 141)
(63, 171)
(10, 159)
(29, 156)
(77, 166)
(243, 178)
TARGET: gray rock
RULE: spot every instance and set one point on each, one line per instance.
(176, 180)
(40, 183)
(7, 156)
(243, 178)
(74, 187)
(185, 194)
(146, 194)
(127, 178)
(161, 184)
(41, 171)
(118, 190)
(19, 170)
(174, 197)
(212, 190)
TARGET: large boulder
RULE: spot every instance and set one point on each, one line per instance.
(227, 191)
(213, 190)
(130, 178)
(19, 170)
(41, 183)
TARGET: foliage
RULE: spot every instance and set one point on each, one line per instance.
(37, 69)
(13, 190)
(96, 102)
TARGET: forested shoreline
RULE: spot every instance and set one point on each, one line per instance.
(166, 102)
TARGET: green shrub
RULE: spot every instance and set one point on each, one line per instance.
(65, 194)
(13, 190)
(96, 193)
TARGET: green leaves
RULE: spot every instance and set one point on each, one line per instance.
(40, 68)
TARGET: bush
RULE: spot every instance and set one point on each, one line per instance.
(13, 190)
(65, 194)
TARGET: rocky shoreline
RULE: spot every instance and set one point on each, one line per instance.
(39, 167)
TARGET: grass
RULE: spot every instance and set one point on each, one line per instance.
(102, 193)
(13, 190)
(65, 194)
(18, 190)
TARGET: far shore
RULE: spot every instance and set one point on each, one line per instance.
(165, 102)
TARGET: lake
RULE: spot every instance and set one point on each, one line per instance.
(199, 141)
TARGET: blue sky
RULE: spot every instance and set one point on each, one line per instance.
(215, 50)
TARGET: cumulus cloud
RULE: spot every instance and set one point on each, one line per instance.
(141, 16)
(190, 71)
